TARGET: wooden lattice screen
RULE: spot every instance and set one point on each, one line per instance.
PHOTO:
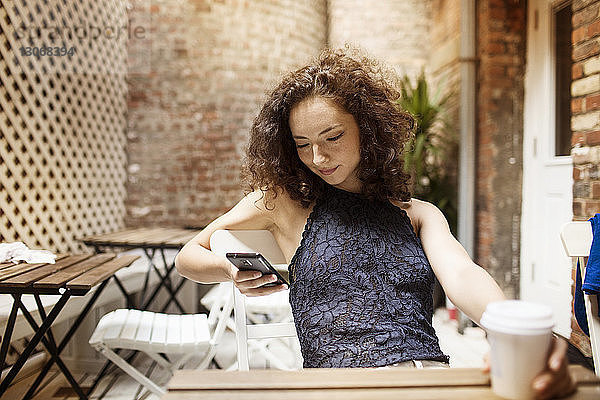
(62, 121)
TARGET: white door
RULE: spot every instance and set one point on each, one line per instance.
(547, 177)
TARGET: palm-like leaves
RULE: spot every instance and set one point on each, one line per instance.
(426, 155)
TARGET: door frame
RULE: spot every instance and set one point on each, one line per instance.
(538, 154)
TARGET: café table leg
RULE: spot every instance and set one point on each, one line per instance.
(34, 340)
(40, 306)
(54, 354)
(149, 253)
(8, 330)
(65, 339)
(108, 365)
(169, 270)
(128, 300)
(175, 291)
(163, 281)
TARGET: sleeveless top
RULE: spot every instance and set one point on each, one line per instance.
(361, 286)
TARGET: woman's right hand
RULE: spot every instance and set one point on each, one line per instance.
(251, 283)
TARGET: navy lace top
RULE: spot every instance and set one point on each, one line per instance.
(361, 286)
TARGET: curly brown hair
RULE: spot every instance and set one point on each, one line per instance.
(363, 88)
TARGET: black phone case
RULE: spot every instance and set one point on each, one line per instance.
(256, 262)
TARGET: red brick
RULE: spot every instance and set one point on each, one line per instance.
(592, 207)
(496, 48)
(577, 105)
(513, 72)
(596, 190)
(576, 174)
(500, 59)
(577, 71)
(593, 29)
(592, 102)
(496, 71)
(498, 13)
(579, 34)
(593, 138)
(578, 208)
(577, 138)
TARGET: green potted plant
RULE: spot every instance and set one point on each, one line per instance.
(432, 148)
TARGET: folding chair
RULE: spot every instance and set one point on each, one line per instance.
(577, 240)
(159, 335)
(247, 309)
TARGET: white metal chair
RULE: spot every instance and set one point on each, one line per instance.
(180, 336)
(577, 241)
(248, 309)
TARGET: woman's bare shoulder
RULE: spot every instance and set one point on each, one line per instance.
(415, 206)
(277, 204)
(419, 211)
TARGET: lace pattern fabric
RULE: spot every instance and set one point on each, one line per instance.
(361, 286)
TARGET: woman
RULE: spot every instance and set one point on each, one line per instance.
(324, 174)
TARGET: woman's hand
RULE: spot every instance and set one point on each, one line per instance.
(555, 381)
(250, 282)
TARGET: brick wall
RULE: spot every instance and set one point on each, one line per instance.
(585, 108)
(585, 124)
(444, 53)
(501, 52)
(444, 74)
(195, 86)
(393, 31)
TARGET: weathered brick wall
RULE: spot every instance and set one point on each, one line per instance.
(194, 88)
(501, 52)
(444, 74)
(585, 108)
(395, 32)
(444, 53)
(585, 124)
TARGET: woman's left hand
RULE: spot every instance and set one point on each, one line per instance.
(554, 381)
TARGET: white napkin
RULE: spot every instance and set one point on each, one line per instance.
(17, 251)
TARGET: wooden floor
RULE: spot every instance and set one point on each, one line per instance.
(465, 350)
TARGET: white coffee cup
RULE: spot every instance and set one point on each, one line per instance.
(520, 336)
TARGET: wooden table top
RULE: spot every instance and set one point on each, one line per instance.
(79, 273)
(349, 384)
(143, 237)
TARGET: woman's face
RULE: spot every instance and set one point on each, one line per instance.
(328, 141)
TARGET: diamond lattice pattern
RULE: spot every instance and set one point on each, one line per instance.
(62, 122)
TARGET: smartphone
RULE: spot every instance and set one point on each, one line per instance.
(256, 262)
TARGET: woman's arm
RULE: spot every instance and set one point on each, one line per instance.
(466, 284)
(195, 261)
(471, 288)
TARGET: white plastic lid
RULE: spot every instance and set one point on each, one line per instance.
(517, 317)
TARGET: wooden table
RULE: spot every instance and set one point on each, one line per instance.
(151, 241)
(71, 275)
(349, 384)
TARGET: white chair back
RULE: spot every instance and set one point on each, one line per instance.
(577, 240)
(259, 241)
